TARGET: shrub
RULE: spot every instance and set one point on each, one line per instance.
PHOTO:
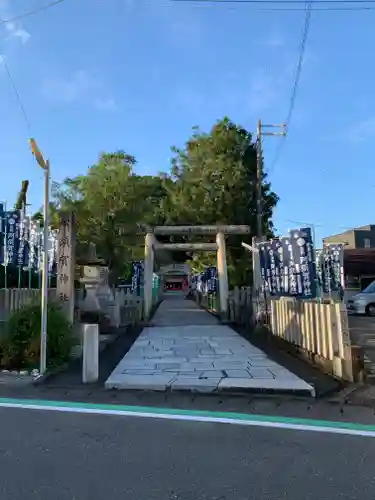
(21, 345)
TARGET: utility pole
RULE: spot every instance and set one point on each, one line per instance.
(259, 197)
(257, 279)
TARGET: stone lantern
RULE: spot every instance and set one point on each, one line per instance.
(90, 278)
(99, 299)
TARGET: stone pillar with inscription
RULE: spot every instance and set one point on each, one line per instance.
(66, 264)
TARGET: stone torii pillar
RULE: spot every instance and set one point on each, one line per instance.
(148, 274)
(222, 272)
(216, 230)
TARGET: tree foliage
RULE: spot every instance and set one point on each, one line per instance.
(211, 180)
(111, 197)
(214, 182)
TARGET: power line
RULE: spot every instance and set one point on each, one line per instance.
(297, 78)
(325, 5)
(18, 97)
(279, 1)
(3, 60)
(316, 9)
(301, 57)
(32, 12)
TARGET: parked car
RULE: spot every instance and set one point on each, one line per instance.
(363, 302)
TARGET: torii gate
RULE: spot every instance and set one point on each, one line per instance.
(152, 244)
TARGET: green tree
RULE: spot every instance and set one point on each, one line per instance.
(213, 181)
(110, 197)
(112, 204)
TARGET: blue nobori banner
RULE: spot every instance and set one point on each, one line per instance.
(21, 242)
(265, 267)
(276, 266)
(287, 265)
(303, 252)
(292, 280)
(211, 279)
(332, 268)
(12, 220)
(206, 281)
(52, 251)
(23, 247)
(137, 276)
(34, 250)
(2, 234)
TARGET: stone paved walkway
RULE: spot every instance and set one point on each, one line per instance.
(187, 349)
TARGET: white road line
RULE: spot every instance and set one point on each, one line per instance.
(276, 424)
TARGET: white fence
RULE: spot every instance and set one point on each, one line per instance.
(319, 330)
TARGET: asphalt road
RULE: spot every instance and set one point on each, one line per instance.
(64, 456)
(362, 333)
(362, 330)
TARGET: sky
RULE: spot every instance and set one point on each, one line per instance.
(104, 75)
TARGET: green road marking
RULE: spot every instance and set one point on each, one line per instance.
(209, 415)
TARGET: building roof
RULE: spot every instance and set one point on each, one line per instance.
(367, 227)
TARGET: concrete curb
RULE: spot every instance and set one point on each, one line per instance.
(239, 392)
